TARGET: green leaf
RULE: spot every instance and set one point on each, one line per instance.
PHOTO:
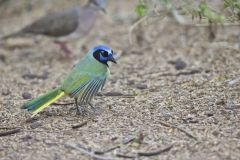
(141, 9)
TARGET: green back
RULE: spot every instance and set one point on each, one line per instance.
(88, 68)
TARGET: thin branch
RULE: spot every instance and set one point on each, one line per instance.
(160, 14)
(89, 152)
(207, 25)
(129, 140)
(107, 150)
(116, 94)
(10, 132)
(8, 128)
(180, 129)
(155, 153)
(79, 125)
(134, 26)
(125, 156)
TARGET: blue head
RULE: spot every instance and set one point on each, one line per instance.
(103, 54)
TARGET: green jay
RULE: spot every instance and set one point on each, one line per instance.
(87, 77)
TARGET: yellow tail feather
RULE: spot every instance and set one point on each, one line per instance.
(47, 103)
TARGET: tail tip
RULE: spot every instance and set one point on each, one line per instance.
(24, 106)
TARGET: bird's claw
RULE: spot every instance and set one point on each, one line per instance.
(94, 108)
(81, 111)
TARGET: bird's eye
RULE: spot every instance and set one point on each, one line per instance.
(104, 53)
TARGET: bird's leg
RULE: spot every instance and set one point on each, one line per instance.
(81, 110)
(76, 104)
(92, 106)
(63, 47)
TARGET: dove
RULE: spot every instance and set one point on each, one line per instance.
(84, 81)
(69, 25)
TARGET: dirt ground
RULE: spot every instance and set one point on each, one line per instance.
(192, 112)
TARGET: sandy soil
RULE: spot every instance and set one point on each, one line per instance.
(192, 112)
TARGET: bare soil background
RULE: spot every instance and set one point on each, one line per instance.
(193, 113)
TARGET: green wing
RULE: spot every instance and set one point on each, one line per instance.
(86, 79)
(91, 90)
(85, 87)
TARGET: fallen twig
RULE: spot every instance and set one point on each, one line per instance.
(183, 73)
(129, 140)
(88, 152)
(180, 129)
(34, 76)
(194, 71)
(107, 150)
(79, 125)
(125, 156)
(9, 132)
(116, 94)
(155, 153)
(9, 127)
(206, 25)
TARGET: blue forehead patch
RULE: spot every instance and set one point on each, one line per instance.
(102, 47)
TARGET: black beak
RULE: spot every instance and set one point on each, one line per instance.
(113, 60)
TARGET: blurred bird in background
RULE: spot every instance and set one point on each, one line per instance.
(84, 81)
(69, 25)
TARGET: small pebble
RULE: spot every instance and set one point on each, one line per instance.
(26, 95)
(35, 124)
(6, 92)
(114, 138)
(193, 121)
(215, 133)
(141, 86)
(209, 114)
(50, 143)
(179, 64)
(220, 102)
(31, 120)
(27, 137)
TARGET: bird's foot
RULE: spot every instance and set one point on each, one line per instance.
(81, 110)
(63, 46)
(94, 108)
